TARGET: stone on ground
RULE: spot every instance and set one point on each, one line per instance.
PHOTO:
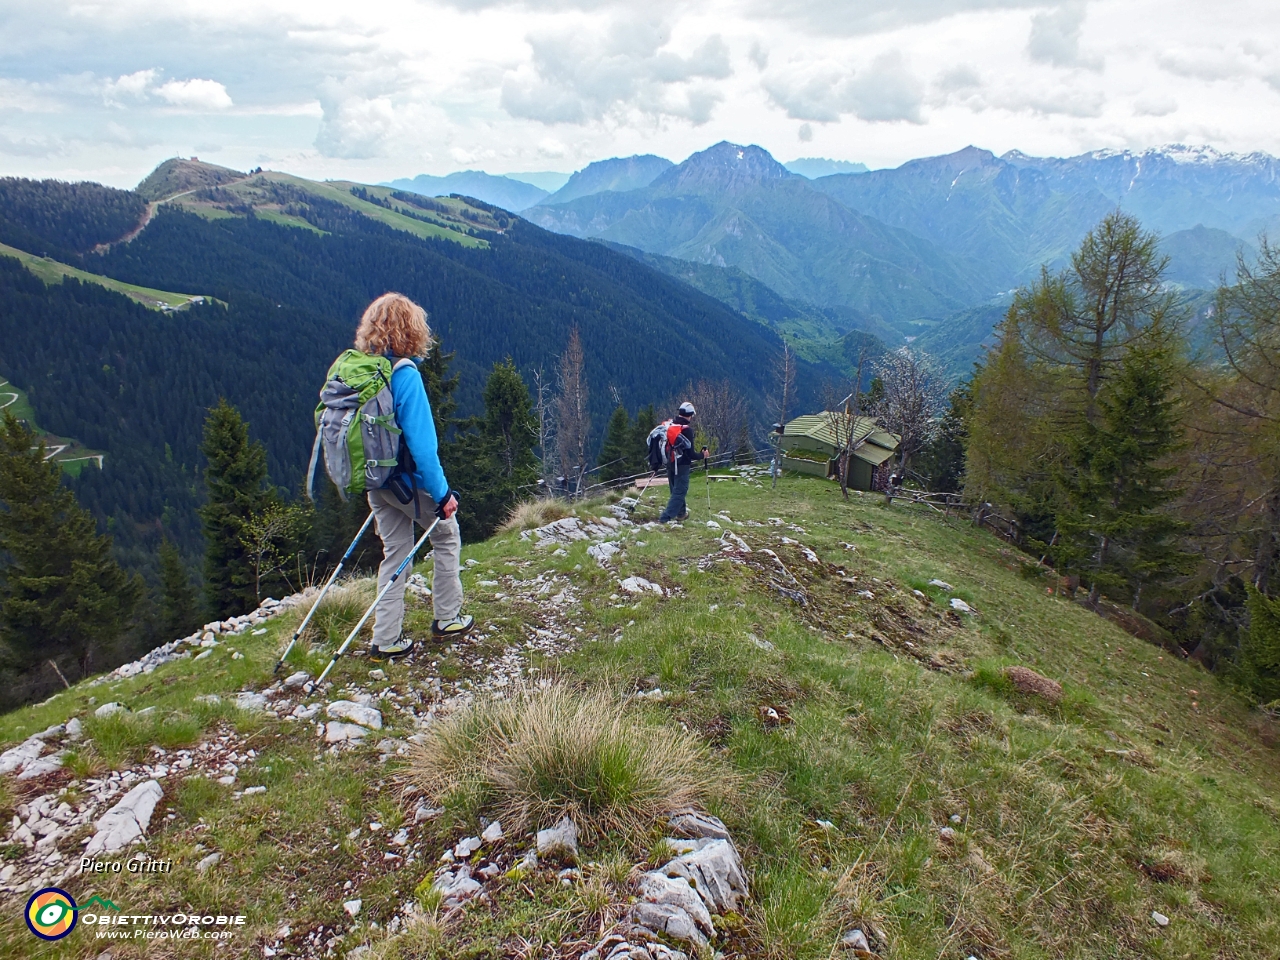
(127, 821)
(692, 823)
(355, 713)
(676, 892)
(337, 732)
(109, 709)
(715, 871)
(296, 681)
(559, 841)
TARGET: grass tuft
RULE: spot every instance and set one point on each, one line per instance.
(534, 513)
(544, 754)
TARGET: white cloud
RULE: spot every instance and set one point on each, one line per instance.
(805, 133)
(577, 76)
(1055, 37)
(410, 86)
(195, 94)
(884, 91)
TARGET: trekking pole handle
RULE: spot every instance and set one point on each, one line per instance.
(376, 600)
(329, 583)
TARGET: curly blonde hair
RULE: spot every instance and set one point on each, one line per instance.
(396, 325)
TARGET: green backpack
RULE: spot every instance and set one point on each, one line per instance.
(356, 424)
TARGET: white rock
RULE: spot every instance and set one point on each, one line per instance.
(676, 892)
(252, 702)
(456, 886)
(667, 919)
(712, 525)
(228, 780)
(75, 729)
(127, 821)
(253, 791)
(941, 585)
(304, 712)
(492, 833)
(603, 552)
(400, 839)
(109, 709)
(636, 585)
(560, 840)
(208, 863)
(715, 871)
(466, 847)
(352, 907)
(424, 812)
(296, 681)
(692, 823)
(16, 757)
(56, 730)
(960, 606)
(336, 732)
(947, 835)
(1159, 918)
(377, 675)
(210, 698)
(855, 940)
(355, 713)
(42, 765)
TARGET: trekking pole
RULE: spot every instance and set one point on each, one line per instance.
(316, 606)
(653, 476)
(707, 470)
(368, 613)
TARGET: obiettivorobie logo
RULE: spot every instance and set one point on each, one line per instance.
(52, 913)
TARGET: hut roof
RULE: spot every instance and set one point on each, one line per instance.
(875, 444)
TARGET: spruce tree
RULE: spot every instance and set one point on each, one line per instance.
(1113, 528)
(178, 610)
(495, 455)
(646, 420)
(235, 478)
(615, 454)
(62, 595)
(440, 386)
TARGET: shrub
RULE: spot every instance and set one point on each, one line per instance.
(547, 753)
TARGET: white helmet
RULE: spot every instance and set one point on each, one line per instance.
(686, 409)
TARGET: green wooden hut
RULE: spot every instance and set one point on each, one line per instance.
(811, 444)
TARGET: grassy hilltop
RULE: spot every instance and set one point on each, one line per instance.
(840, 687)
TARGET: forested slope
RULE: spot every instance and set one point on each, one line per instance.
(136, 383)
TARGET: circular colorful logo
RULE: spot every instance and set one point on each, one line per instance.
(51, 913)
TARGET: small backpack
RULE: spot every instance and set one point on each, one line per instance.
(356, 424)
(665, 441)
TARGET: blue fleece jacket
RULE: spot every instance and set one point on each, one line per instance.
(413, 414)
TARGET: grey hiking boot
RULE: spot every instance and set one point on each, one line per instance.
(459, 626)
(398, 648)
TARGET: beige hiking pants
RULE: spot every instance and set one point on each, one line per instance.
(396, 528)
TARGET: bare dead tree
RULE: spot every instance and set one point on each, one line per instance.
(914, 397)
(544, 410)
(722, 409)
(573, 422)
(784, 373)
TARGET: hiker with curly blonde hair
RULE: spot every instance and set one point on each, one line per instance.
(391, 452)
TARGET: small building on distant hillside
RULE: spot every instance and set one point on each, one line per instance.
(812, 445)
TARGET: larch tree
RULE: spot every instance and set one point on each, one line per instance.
(573, 418)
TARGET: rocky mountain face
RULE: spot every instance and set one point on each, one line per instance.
(618, 174)
(736, 206)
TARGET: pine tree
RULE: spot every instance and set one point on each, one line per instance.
(235, 478)
(61, 592)
(1112, 527)
(1259, 659)
(178, 612)
(615, 454)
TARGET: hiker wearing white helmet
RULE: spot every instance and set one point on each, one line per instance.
(678, 455)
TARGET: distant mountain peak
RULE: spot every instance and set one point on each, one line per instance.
(615, 174)
(725, 166)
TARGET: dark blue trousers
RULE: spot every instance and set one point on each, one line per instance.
(678, 480)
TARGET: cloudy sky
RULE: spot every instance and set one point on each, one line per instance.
(105, 89)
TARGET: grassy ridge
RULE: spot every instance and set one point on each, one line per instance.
(51, 271)
(1150, 787)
